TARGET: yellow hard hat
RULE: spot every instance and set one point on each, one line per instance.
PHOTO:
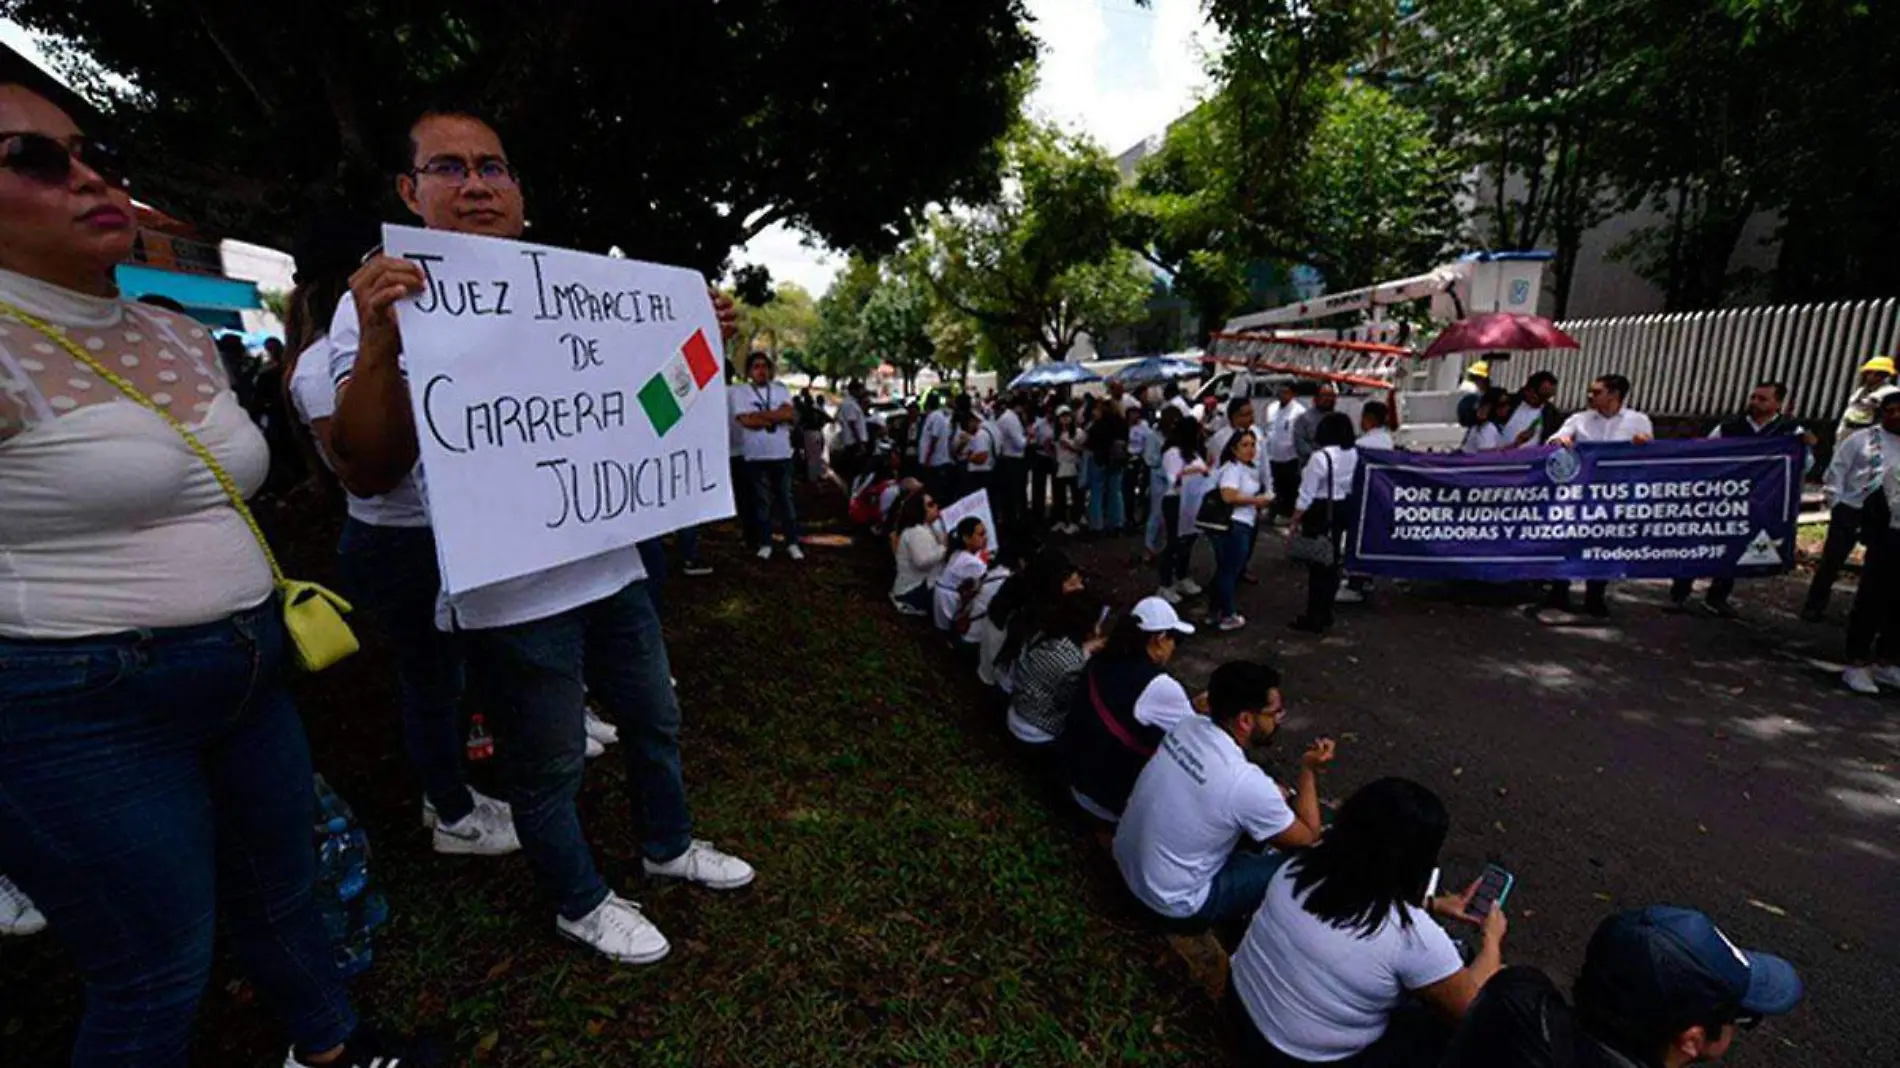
(1883, 364)
(1482, 368)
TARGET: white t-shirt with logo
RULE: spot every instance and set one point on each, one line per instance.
(1323, 993)
(518, 600)
(1195, 798)
(1626, 425)
(774, 443)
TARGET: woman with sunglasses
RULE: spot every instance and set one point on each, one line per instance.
(154, 778)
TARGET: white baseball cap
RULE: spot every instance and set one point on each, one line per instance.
(1156, 616)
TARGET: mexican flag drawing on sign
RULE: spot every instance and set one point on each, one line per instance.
(671, 392)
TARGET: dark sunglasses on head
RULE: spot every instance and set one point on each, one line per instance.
(49, 161)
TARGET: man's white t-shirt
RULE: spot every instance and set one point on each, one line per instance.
(774, 443)
(1280, 444)
(518, 600)
(1195, 798)
(1626, 425)
(1485, 437)
(933, 442)
(1523, 418)
(963, 567)
(983, 442)
(851, 429)
(1323, 993)
(1376, 438)
(403, 505)
(1011, 440)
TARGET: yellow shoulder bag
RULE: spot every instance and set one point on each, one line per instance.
(312, 614)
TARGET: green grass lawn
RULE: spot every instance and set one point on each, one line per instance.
(920, 900)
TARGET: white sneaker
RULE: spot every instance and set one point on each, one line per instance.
(482, 833)
(482, 800)
(794, 551)
(17, 914)
(765, 552)
(1887, 675)
(600, 730)
(1169, 594)
(594, 748)
(705, 865)
(618, 930)
(1860, 680)
(1348, 595)
(1187, 587)
(1232, 623)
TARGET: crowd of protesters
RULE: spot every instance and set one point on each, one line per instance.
(156, 782)
(1342, 958)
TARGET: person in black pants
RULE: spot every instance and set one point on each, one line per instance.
(1853, 490)
(1319, 513)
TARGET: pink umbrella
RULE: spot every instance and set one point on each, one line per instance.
(1500, 332)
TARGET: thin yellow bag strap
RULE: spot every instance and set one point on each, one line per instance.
(133, 394)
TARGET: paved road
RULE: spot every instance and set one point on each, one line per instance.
(1658, 758)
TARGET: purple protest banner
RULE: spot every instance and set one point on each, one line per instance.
(1665, 509)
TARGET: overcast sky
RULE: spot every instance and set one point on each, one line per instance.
(1110, 69)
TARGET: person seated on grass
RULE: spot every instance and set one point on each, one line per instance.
(972, 623)
(920, 551)
(1661, 987)
(1204, 791)
(879, 473)
(1339, 966)
(1020, 608)
(957, 583)
(1049, 668)
(1123, 707)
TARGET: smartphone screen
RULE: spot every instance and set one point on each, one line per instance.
(1494, 886)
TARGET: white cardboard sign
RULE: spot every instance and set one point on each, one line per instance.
(566, 404)
(976, 504)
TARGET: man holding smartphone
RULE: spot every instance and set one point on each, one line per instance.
(1661, 987)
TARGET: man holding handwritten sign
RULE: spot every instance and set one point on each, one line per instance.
(550, 390)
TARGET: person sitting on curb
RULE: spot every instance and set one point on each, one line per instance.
(1661, 987)
(1343, 958)
(1203, 791)
(1126, 704)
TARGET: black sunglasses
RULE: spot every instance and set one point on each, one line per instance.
(49, 161)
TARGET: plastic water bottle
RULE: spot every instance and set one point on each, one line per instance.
(480, 745)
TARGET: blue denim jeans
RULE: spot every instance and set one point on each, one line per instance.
(1239, 886)
(1231, 551)
(389, 575)
(1105, 498)
(541, 674)
(1157, 490)
(772, 489)
(152, 785)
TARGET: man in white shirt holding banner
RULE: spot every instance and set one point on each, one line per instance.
(1607, 418)
(537, 634)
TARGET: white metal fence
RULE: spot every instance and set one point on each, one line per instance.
(1701, 364)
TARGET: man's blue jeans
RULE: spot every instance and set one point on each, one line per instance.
(772, 488)
(389, 575)
(1239, 886)
(153, 785)
(541, 674)
(1105, 497)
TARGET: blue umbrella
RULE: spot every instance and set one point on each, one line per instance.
(1054, 373)
(1156, 369)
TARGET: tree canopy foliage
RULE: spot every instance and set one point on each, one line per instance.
(675, 131)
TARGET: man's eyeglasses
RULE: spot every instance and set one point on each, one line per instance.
(47, 160)
(457, 172)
